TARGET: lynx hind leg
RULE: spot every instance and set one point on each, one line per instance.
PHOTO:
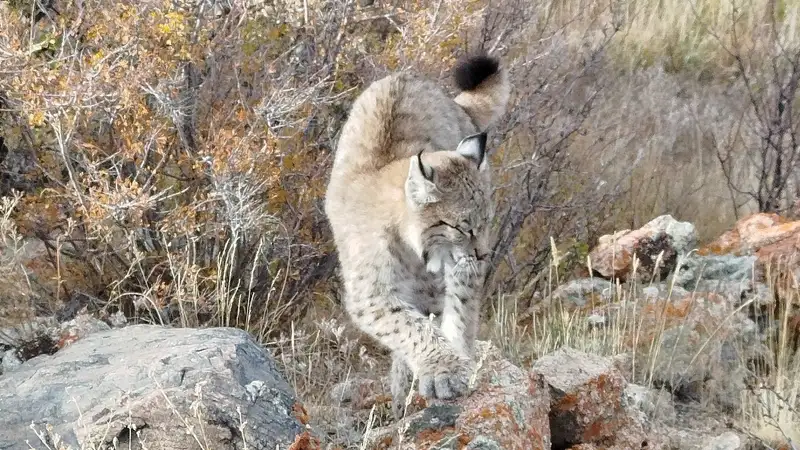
(400, 378)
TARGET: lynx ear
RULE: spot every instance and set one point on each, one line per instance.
(420, 187)
(474, 148)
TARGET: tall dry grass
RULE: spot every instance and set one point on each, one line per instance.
(682, 36)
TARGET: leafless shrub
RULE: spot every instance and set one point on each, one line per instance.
(768, 124)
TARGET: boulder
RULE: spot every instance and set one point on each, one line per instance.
(46, 335)
(772, 241)
(174, 388)
(663, 290)
(701, 345)
(587, 402)
(585, 291)
(337, 425)
(507, 409)
(655, 403)
(764, 235)
(757, 258)
(360, 392)
(656, 245)
(725, 441)
(731, 268)
(700, 436)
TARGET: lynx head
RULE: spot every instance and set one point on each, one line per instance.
(449, 195)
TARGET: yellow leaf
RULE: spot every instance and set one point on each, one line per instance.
(36, 119)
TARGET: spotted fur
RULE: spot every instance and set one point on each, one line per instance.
(409, 204)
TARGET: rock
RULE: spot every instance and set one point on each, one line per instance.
(655, 403)
(701, 348)
(361, 392)
(623, 362)
(762, 234)
(584, 291)
(682, 234)
(725, 441)
(699, 438)
(337, 424)
(596, 319)
(10, 362)
(508, 409)
(31, 338)
(734, 277)
(176, 386)
(80, 327)
(117, 320)
(586, 401)
(773, 241)
(697, 268)
(651, 292)
(664, 291)
(613, 256)
(45, 335)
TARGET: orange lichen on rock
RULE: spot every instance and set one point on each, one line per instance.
(601, 429)
(508, 409)
(765, 235)
(305, 441)
(384, 443)
(429, 438)
(586, 397)
(494, 418)
(300, 413)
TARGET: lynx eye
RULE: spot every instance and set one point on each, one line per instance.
(461, 228)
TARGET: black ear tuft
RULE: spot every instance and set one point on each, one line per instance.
(482, 138)
(427, 172)
(474, 70)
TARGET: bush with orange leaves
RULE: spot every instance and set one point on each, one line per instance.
(170, 158)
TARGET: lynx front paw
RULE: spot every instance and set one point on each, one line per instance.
(446, 381)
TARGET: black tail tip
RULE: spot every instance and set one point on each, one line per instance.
(474, 70)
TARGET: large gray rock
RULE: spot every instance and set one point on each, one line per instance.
(682, 234)
(696, 268)
(725, 441)
(705, 358)
(178, 388)
(656, 404)
(579, 293)
(657, 246)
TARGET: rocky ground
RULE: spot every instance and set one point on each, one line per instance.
(566, 400)
(96, 382)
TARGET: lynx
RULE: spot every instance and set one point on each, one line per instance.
(409, 205)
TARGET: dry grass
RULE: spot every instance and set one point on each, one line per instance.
(682, 36)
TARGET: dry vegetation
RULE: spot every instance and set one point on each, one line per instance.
(169, 159)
